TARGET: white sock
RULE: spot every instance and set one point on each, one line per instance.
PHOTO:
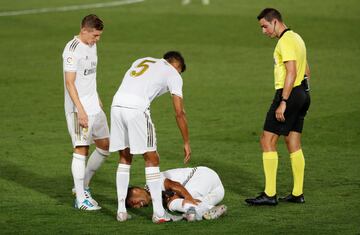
(94, 162)
(78, 172)
(177, 205)
(122, 184)
(152, 175)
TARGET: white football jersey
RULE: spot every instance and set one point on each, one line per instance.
(198, 181)
(82, 59)
(147, 79)
(178, 174)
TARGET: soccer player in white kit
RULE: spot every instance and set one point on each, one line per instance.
(86, 120)
(132, 131)
(192, 191)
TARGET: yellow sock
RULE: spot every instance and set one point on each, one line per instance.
(270, 162)
(298, 167)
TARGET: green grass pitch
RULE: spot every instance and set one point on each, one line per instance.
(228, 88)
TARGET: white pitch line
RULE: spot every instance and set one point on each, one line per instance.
(69, 8)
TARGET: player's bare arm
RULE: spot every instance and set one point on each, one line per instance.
(70, 86)
(288, 85)
(180, 191)
(182, 124)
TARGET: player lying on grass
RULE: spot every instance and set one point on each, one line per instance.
(195, 192)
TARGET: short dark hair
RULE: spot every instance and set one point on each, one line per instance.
(92, 21)
(175, 55)
(128, 196)
(269, 14)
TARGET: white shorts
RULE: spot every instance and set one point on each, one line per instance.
(206, 186)
(97, 129)
(132, 128)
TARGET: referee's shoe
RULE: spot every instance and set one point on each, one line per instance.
(262, 199)
(293, 199)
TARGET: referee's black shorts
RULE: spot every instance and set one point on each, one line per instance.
(296, 107)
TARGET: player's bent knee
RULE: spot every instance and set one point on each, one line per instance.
(103, 144)
(103, 152)
(82, 150)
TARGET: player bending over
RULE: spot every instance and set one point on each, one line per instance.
(195, 192)
(132, 130)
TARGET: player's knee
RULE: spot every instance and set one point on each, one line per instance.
(265, 143)
(292, 144)
(103, 152)
(82, 150)
(125, 160)
(152, 162)
(151, 159)
(103, 144)
(125, 157)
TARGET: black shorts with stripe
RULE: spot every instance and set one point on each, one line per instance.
(296, 109)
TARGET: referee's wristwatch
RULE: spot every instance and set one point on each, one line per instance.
(283, 99)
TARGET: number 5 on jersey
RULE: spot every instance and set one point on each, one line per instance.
(143, 66)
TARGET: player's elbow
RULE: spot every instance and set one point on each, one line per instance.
(69, 83)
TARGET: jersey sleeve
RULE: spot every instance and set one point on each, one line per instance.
(70, 61)
(288, 50)
(175, 84)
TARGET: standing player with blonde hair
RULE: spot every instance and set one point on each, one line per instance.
(86, 120)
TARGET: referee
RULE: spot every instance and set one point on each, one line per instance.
(288, 109)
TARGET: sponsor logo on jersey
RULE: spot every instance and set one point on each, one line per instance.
(89, 71)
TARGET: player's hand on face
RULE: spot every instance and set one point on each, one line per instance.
(187, 151)
(83, 119)
(279, 113)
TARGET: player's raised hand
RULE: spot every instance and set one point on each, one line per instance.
(187, 151)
